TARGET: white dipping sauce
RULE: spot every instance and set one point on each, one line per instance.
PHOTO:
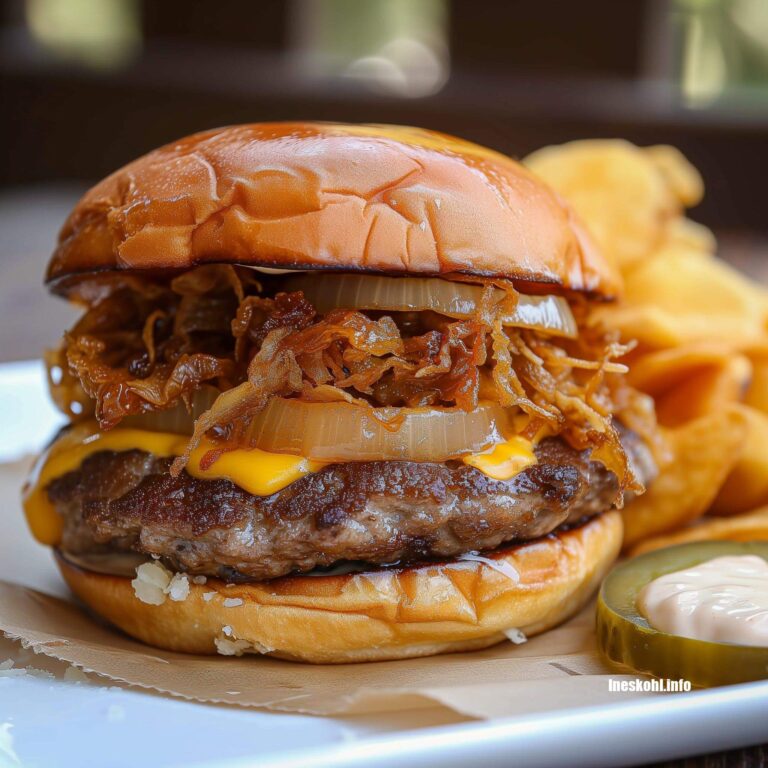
(724, 600)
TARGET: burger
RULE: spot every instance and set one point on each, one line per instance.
(336, 394)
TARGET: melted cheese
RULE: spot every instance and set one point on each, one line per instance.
(256, 471)
(506, 460)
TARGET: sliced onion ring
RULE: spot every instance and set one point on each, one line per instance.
(346, 432)
(413, 294)
(340, 431)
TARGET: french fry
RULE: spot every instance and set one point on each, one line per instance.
(705, 393)
(702, 333)
(757, 394)
(680, 175)
(702, 454)
(624, 199)
(627, 196)
(684, 233)
(746, 487)
(749, 527)
(682, 296)
(691, 381)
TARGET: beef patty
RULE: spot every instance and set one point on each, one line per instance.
(375, 512)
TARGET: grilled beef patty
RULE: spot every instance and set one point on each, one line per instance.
(376, 512)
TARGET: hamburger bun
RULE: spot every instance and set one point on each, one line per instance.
(384, 614)
(303, 196)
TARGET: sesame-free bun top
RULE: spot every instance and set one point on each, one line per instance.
(372, 198)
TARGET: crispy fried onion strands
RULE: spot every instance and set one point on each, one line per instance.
(143, 346)
(146, 346)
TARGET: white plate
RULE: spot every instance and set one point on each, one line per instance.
(52, 722)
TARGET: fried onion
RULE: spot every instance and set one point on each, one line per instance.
(151, 344)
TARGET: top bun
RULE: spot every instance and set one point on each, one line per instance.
(371, 198)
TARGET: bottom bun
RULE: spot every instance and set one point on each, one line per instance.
(385, 614)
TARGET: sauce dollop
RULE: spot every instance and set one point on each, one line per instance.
(723, 600)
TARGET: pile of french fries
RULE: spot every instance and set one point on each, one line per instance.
(702, 339)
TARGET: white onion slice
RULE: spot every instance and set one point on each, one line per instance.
(346, 432)
(412, 294)
(340, 431)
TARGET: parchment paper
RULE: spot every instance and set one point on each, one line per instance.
(558, 669)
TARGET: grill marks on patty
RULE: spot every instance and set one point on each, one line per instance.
(377, 512)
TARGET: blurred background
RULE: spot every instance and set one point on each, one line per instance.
(87, 85)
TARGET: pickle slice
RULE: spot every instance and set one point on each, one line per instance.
(625, 637)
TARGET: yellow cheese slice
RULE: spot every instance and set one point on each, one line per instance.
(256, 471)
(505, 460)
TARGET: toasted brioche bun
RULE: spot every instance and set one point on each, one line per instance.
(385, 614)
(382, 199)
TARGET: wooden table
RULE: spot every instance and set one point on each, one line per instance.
(32, 320)
(751, 757)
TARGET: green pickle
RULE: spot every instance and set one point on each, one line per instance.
(625, 637)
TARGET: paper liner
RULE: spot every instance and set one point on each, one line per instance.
(555, 669)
